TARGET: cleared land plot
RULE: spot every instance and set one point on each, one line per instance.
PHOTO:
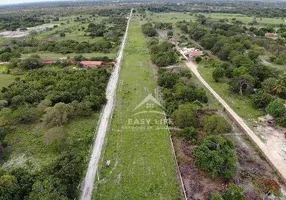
(141, 161)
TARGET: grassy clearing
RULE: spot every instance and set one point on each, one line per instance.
(29, 145)
(265, 61)
(241, 105)
(246, 19)
(6, 79)
(173, 17)
(142, 165)
(73, 29)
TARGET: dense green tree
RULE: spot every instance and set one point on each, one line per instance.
(48, 187)
(274, 86)
(25, 181)
(216, 196)
(9, 188)
(149, 30)
(58, 115)
(242, 84)
(214, 124)
(261, 99)
(217, 156)
(190, 134)
(30, 63)
(167, 80)
(218, 73)
(170, 33)
(276, 108)
(186, 115)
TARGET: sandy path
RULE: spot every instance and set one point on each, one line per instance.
(272, 155)
(103, 123)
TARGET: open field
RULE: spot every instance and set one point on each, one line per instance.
(246, 19)
(30, 144)
(173, 17)
(142, 165)
(73, 29)
(6, 79)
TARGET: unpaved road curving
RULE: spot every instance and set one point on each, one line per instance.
(272, 155)
(103, 123)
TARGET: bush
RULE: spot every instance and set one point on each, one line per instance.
(217, 156)
(261, 99)
(234, 192)
(58, 115)
(198, 59)
(185, 115)
(190, 133)
(276, 108)
(218, 73)
(167, 80)
(214, 124)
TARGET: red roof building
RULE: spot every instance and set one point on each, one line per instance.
(92, 64)
(49, 61)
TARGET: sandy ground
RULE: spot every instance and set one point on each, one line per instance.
(18, 33)
(274, 139)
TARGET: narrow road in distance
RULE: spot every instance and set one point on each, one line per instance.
(272, 156)
(105, 117)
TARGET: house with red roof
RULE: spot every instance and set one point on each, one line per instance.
(92, 64)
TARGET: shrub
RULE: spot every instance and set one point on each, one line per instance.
(261, 99)
(185, 115)
(58, 115)
(276, 108)
(190, 133)
(218, 73)
(234, 192)
(214, 124)
(217, 156)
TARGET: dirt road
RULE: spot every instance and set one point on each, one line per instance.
(106, 114)
(272, 156)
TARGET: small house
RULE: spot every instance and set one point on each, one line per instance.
(92, 64)
(271, 35)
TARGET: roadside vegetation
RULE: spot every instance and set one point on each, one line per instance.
(49, 111)
(208, 151)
